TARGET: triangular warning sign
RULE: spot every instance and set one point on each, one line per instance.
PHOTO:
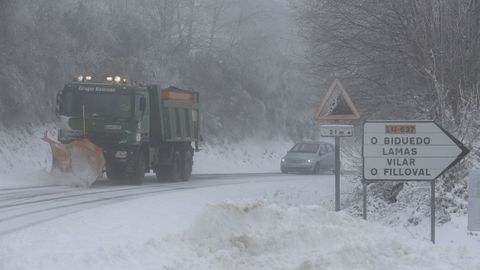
(337, 104)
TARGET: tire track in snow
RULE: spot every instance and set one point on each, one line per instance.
(47, 204)
(19, 196)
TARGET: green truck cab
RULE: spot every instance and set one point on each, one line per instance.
(140, 128)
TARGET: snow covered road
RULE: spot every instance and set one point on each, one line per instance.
(27, 206)
(244, 221)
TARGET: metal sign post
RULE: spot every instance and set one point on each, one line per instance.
(337, 105)
(337, 131)
(432, 211)
(408, 151)
(365, 199)
(474, 200)
(337, 174)
(432, 205)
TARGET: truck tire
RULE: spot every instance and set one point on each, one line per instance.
(175, 172)
(162, 173)
(114, 174)
(139, 173)
(187, 166)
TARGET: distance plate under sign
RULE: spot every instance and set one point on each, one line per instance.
(336, 130)
(408, 150)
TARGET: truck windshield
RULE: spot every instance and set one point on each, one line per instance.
(98, 104)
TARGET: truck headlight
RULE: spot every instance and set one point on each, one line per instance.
(66, 134)
(121, 154)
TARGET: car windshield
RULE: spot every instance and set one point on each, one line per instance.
(305, 148)
(98, 104)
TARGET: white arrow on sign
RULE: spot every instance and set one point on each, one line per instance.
(408, 150)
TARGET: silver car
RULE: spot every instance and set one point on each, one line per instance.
(312, 157)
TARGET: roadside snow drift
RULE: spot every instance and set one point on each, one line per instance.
(253, 156)
(23, 149)
(260, 235)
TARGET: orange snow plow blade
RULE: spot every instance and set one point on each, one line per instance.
(81, 158)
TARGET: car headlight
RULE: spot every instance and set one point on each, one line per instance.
(309, 161)
(121, 154)
(283, 160)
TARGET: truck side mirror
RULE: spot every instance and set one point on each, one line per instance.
(143, 104)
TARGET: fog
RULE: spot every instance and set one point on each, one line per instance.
(245, 57)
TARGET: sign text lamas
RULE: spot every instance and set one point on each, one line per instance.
(403, 150)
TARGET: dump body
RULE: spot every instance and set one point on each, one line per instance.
(174, 115)
(139, 128)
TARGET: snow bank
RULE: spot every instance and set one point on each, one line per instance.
(251, 156)
(24, 158)
(24, 154)
(22, 149)
(258, 235)
(256, 156)
(181, 230)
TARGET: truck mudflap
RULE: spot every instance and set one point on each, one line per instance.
(81, 159)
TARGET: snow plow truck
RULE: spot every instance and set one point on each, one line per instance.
(125, 130)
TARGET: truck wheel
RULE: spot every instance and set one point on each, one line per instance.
(176, 169)
(114, 174)
(172, 172)
(162, 173)
(187, 166)
(139, 174)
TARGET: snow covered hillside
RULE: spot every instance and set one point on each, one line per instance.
(23, 149)
(248, 156)
(26, 160)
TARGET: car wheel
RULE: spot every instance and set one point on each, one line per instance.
(316, 169)
(283, 170)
